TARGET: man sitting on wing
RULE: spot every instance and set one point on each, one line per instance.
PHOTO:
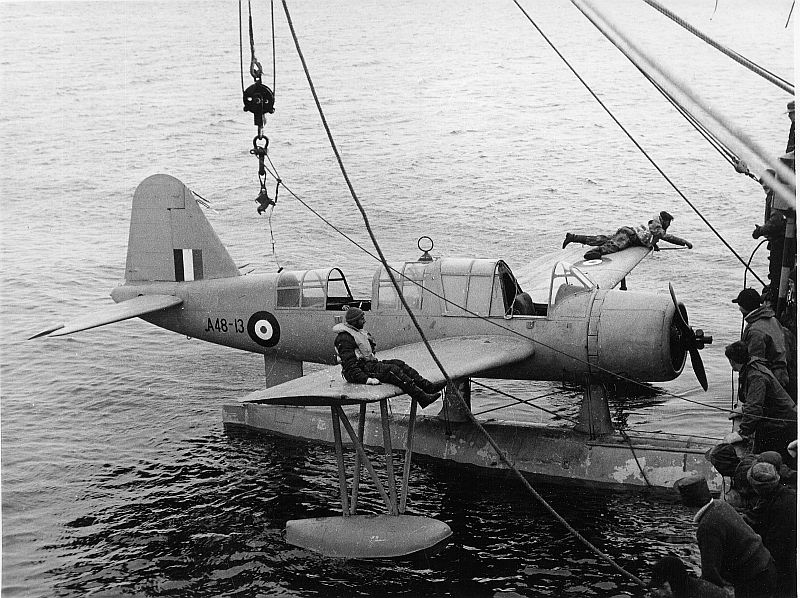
(627, 236)
(355, 350)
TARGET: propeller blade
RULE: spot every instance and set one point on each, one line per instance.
(677, 308)
(688, 340)
(698, 367)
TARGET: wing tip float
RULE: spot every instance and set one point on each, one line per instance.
(132, 308)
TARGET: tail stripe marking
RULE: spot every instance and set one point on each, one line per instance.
(188, 264)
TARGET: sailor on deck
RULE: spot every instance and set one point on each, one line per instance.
(355, 350)
(764, 336)
(640, 236)
(769, 416)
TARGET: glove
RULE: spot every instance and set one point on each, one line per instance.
(373, 381)
(757, 232)
(688, 245)
(733, 438)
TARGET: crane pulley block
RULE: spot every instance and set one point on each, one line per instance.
(260, 100)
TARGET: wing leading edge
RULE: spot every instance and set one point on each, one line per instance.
(132, 308)
(460, 355)
(606, 272)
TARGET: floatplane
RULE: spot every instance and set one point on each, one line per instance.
(568, 319)
(574, 320)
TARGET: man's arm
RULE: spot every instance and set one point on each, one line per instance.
(752, 405)
(711, 553)
(676, 240)
(756, 341)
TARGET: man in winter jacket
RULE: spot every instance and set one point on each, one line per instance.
(732, 553)
(764, 335)
(774, 518)
(774, 229)
(769, 416)
(355, 350)
(640, 236)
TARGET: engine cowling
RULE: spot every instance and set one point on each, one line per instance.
(635, 335)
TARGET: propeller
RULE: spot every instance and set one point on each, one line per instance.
(691, 340)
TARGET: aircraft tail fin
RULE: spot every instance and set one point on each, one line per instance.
(170, 238)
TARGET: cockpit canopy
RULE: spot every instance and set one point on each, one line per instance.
(449, 286)
(324, 288)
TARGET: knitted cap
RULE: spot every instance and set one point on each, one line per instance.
(353, 314)
(773, 457)
(763, 477)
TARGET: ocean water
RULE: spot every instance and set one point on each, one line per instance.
(455, 119)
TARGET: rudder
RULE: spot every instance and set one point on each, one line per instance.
(170, 238)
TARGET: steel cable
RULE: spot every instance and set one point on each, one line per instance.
(487, 436)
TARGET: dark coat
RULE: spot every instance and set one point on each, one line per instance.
(761, 396)
(730, 551)
(774, 518)
(764, 338)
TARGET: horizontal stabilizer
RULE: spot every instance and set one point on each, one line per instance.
(138, 306)
(461, 356)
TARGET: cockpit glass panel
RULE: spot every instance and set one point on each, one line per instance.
(498, 306)
(289, 289)
(480, 294)
(314, 289)
(455, 294)
(412, 284)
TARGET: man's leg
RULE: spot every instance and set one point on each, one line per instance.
(594, 240)
(393, 374)
(415, 376)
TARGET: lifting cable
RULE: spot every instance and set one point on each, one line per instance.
(259, 100)
(500, 453)
(748, 64)
(628, 134)
(726, 152)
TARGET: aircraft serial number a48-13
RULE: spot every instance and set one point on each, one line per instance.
(568, 323)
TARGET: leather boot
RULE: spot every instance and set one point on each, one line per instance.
(592, 254)
(424, 399)
(429, 387)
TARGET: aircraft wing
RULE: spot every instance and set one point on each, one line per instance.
(606, 272)
(138, 306)
(460, 355)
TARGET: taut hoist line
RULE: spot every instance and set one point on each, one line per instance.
(259, 100)
(745, 62)
(622, 127)
(491, 441)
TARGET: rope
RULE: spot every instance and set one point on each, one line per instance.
(241, 47)
(487, 436)
(727, 153)
(748, 64)
(518, 401)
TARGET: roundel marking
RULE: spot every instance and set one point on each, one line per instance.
(264, 329)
